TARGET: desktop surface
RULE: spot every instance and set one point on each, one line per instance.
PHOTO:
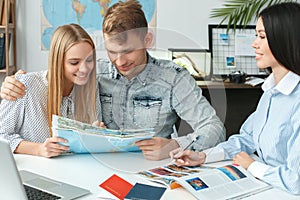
(88, 171)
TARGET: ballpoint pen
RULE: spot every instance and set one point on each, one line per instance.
(185, 148)
(192, 142)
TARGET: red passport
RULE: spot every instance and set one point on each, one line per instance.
(117, 186)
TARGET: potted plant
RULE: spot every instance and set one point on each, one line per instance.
(241, 12)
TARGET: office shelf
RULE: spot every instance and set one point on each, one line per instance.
(8, 29)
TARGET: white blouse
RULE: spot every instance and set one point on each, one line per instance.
(26, 118)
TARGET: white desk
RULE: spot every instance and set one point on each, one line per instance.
(88, 171)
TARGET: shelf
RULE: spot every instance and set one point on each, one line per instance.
(10, 26)
(10, 70)
(8, 42)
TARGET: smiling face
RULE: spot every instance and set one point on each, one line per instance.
(78, 64)
(263, 54)
(128, 55)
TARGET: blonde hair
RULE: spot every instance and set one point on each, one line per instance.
(125, 16)
(63, 39)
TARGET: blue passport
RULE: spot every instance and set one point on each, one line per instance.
(145, 192)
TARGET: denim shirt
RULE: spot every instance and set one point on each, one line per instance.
(155, 98)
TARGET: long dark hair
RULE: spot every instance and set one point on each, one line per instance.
(282, 26)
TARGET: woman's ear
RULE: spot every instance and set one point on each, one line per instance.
(149, 40)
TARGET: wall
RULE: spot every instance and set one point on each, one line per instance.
(179, 24)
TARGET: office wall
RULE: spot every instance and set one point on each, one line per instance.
(179, 24)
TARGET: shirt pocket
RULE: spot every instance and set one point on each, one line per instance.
(106, 106)
(146, 111)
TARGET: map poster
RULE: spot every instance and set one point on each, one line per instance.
(87, 13)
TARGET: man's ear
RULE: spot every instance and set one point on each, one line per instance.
(148, 40)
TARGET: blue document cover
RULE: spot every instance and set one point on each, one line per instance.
(145, 192)
(85, 138)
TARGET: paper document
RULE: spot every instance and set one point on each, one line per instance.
(205, 183)
(254, 81)
(85, 138)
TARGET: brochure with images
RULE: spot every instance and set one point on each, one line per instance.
(167, 175)
(205, 183)
(85, 138)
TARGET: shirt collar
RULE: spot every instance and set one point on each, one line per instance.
(144, 74)
(285, 86)
(140, 77)
(114, 72)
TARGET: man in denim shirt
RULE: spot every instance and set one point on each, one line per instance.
(139, 91)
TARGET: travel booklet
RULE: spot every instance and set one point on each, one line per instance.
(205, 183)
(142, 191)
(117, 186)
(85, 138)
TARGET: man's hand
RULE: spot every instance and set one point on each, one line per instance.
(11, 88)
(51, 148)
(187, 157)
(157, 148)
(243, 159)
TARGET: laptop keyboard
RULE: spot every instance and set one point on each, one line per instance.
(35, 194)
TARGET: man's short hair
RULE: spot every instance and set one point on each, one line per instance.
(123, 17)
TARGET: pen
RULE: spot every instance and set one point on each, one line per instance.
(192, 142)
(185, 148)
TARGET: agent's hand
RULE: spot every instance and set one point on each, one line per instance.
(243, 159)
(11, 88)
(187, 157)
(51, 148)
(157, 148)
(99, 124)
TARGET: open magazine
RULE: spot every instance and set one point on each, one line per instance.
(205, 183)
(85, 138)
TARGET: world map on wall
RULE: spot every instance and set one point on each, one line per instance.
(88, 13)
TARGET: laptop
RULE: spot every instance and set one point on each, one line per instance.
(25, 185)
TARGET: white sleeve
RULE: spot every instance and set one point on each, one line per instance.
(214, 154)
(258, 169)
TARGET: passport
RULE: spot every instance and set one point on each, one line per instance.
(145, 192)
(116, 186)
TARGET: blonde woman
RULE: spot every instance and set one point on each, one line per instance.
(67, 88)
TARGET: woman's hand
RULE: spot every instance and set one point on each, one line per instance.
(243, 159)
(187, 157)
(51, 148)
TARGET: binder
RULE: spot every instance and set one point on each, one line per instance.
(2, 50)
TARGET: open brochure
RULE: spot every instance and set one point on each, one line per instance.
(205, 183)
(85, 138)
